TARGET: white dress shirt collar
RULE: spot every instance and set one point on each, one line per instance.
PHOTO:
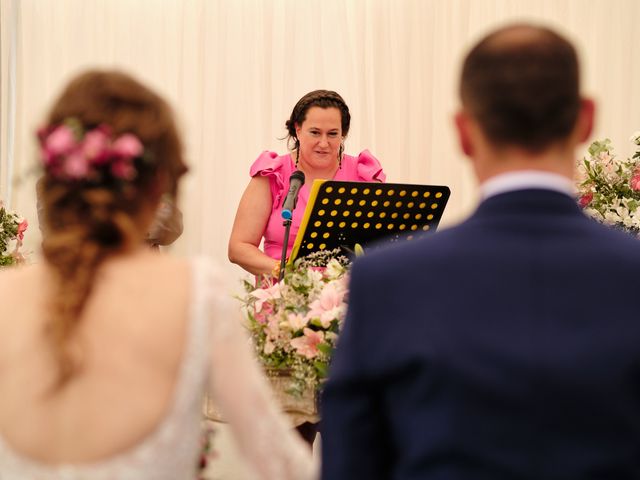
(526, 179)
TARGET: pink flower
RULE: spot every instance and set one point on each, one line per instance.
(585, 199)
(269, 347)
(296, 321)
(123, 168)
(307, 345)
(65, 157)
(264, 295)
(128, 146)
(76, 166)
(95, 146)
(273, 327)
(605, 157)
(329, 305)
(635, 182)
(22, 227)
(263, 315)
(59, 142)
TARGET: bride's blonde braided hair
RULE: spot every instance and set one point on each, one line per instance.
(88, 219)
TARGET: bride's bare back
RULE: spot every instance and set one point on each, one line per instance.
(131, 339)
(107, 348)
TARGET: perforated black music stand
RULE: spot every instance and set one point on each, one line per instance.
(343, 214)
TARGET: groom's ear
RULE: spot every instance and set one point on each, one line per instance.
(586, 118)
(463, 129)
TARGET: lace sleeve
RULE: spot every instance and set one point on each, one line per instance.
(238, 387)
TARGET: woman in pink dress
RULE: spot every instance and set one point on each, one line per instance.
(317, 128)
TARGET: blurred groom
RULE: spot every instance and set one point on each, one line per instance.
(507, 347)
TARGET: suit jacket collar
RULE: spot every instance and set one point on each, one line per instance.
(526, 179)
(533, 201)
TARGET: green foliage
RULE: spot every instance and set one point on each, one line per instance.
(322, 369)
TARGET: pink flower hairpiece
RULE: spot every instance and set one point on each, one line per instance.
(71, 153)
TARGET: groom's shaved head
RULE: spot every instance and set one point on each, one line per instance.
(521, 83)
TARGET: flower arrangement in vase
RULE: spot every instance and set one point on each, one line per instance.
(294, 323)
(12, 228)
(609, 187)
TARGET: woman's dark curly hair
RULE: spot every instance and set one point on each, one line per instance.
(317, 98)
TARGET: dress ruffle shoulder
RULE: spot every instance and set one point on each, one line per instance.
(368, 167)
(276, 168)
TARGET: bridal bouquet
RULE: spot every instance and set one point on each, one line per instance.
(295, 323)
(609, 187)
(12, 228)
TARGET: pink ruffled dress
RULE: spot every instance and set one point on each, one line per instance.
(278, 168)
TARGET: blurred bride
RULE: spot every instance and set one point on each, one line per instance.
(107, 348)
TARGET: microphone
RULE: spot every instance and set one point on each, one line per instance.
(296, 181)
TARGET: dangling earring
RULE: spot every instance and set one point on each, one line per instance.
(297, 152)
(340, 156)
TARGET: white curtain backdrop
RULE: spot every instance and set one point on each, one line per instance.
(233, 69)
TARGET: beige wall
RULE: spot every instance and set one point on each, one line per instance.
(234, 68)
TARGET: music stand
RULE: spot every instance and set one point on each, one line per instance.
(341, 214)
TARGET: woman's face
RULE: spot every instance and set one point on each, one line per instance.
(320, 137)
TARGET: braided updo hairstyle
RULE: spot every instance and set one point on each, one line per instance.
(87, 222)
(317, 98)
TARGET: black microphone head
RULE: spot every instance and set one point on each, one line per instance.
(297, 175)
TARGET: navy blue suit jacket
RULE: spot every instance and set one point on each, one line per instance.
(507, 347)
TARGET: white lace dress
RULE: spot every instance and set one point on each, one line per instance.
(217, 359)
